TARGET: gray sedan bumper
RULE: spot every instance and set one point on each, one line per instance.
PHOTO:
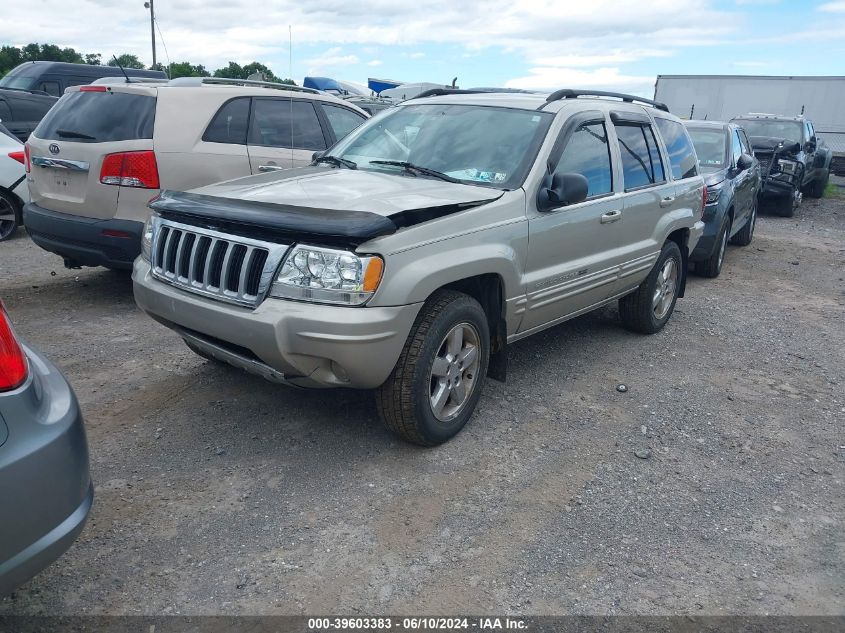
(45, 487)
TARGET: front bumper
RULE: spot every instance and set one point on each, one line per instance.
(293, 342)
(45, 486)
(695, 235)
(84, 241)
(707, 242)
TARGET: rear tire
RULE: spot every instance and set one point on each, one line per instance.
(8, 206)
(648, 308)
(712, 266)
(819, 185)
(438, 379)
(746, 233)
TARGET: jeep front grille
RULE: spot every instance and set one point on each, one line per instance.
(226, 267)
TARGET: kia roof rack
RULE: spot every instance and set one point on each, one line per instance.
(225, 81)
(566, 93)
(118, 79)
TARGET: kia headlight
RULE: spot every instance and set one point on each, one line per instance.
(327, 275)
(147, 238)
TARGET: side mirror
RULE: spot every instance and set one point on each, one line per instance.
(810, 146)
(317, 155)
(560, 190)
(744, 162)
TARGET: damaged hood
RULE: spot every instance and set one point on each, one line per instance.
(334, 206)
(769, 144)
(349, 190)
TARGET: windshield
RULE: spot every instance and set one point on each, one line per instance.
(479, 145)
(790, 130)
(710, 146)
(21, 76)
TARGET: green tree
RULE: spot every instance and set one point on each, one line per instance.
(11, 56)
(126, 60)
(186, 69)
(235, 71)
(94, 59)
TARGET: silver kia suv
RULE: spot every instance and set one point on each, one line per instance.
(407, 257)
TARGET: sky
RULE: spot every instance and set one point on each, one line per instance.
(536, 44)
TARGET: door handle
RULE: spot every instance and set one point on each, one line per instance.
(611, 216)
(665, 202)
(269, 168)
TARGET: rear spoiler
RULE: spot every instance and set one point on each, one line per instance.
(270, 221)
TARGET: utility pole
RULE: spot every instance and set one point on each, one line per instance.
(149, 5)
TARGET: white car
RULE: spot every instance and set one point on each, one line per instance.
(14, 192)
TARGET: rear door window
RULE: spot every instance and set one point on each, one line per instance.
(641, 162)
(342, 120)
(230, 123)
(99, 117)
(286, 123)
(5, 112)
(51, 88)
(681, 153)
(587, 153)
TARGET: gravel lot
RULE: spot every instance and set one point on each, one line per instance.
(220, 493)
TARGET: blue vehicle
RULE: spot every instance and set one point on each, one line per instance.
(732, 176)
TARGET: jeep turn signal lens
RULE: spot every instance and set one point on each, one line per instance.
(13, 366)
(372, 276)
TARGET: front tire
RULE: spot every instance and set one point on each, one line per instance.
(437, 381)
(648, 308)
(785, 207)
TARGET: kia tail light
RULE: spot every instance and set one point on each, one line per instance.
(130, 169)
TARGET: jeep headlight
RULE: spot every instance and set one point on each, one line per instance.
(147, 238)
(326, 275)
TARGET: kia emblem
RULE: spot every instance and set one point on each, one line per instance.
(54, 149)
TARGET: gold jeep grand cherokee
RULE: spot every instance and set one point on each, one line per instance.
(407, 257)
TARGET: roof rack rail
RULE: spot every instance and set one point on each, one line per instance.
(439, 92)
(566, 93)
(115, 80)
(225, 81)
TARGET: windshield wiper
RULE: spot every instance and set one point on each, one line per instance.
(336, 160)
(72, 134)
(418, 168)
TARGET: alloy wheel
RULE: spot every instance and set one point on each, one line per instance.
(665, 286)
(454, 372)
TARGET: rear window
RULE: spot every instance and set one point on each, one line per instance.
(99, 117)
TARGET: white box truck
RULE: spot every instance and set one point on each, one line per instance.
(722, 97)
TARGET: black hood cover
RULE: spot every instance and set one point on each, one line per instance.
(264, 220)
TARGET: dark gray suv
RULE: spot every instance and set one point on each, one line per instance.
(732, 175)
(45, 488)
